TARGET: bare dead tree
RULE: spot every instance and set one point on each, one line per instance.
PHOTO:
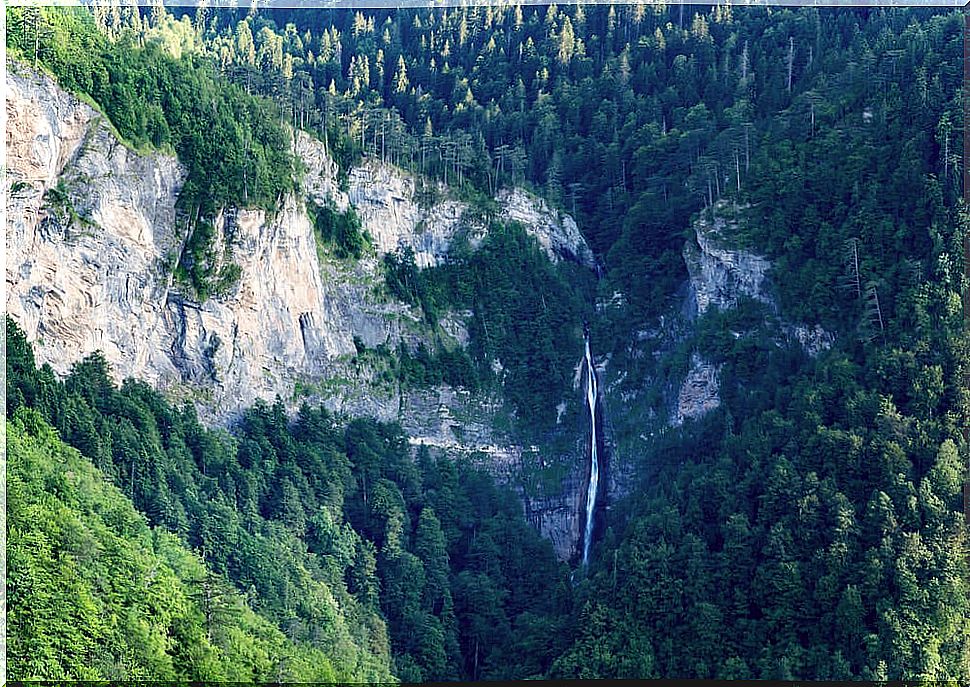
(872, 320)
(852, 279)
(574, 189)
(737, 168)
(747, 145)
(814, 98)
(791, 59)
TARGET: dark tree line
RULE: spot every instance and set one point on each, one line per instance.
(338, 537)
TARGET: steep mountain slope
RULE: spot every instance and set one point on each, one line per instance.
(776, 328)
(360, 559)
(94, 236)
(94, 593)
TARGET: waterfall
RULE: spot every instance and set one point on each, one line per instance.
(594, 466)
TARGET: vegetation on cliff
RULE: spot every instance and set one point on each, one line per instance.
(809, 528)
(232, 143)
(344, 546)
(525, 321)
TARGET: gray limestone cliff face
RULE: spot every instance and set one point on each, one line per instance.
(93, 237)
(556, 232)
(277, 324)
(556, 504)
(385, 200)
(86, 270)
(388, 202)
(721, 274)
(560, 516)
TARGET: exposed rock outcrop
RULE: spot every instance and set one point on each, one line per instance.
(91, 244)
(93, 237)
(813, 340)
(719, 274)
(384, 199)
(556, 232)
(86, 271)
(698, 393)
(321, 172)
(560, 517)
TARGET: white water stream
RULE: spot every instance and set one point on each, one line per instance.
(594, 465)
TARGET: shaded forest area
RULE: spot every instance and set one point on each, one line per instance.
(326, 540)
(809, 528)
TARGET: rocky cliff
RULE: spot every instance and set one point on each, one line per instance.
(93, 237)
(721, 274)
(90, 226)
(659, 380)
(698, 393)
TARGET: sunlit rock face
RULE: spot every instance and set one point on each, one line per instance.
(556, 232)
(94, 235)
(90, 224)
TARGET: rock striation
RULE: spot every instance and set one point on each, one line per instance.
(719, 274)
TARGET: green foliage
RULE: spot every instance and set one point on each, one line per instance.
(451, 366)
(633, 120)
(812, 527)
(199, 266)
(525, 316)
(94, 593)
(339, 538)
(423, 367)
(405, 282)
(58, 200)
(345, 152)
(438, 526)
(340, 230)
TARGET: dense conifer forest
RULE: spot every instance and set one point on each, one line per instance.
(809, 528)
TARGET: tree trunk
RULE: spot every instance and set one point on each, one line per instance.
(791, 60)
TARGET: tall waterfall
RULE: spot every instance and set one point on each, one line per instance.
(594, 465)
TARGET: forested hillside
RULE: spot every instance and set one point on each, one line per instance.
(335, 536)
(809, 528)
(633, 117)
(95, 593)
